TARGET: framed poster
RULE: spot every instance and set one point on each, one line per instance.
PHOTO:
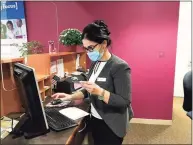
(13, 28)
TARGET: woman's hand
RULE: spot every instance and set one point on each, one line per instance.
(62, 95)
(92, 88)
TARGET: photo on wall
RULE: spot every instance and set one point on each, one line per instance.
(13, 28)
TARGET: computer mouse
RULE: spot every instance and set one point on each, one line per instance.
(56, 102)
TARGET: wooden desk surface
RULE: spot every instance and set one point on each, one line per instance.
(51, 137)
(10, 60)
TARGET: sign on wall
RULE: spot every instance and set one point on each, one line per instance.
(13, 27)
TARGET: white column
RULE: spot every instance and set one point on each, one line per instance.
(183, 56)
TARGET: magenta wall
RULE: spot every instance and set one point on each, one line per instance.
(143, 33)
(41, 20)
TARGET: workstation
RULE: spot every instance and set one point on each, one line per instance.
(30, 77)
(13, 104)
(142, 80)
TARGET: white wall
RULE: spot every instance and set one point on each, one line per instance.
(183, 56)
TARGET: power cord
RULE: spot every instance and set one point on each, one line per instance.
(2, 80)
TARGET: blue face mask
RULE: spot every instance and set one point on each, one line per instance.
(94, 55)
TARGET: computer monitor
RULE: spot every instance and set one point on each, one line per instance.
(34, 122)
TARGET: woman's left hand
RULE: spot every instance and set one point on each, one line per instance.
(92, 87)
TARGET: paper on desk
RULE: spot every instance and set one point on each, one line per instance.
(77, 86)
(73, 113)
(6, 124)
(77, 61)
(76, 73)
(60, 66)
(4, 133)
(53, 68)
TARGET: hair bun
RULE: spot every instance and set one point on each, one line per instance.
(108, 33)
(101, 24)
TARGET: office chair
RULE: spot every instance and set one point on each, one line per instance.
(187, 84)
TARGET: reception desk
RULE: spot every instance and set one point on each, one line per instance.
(10, 103)
(64, 137)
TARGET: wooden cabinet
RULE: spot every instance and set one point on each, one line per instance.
(44, 83)
(42, 64)
(10, 100)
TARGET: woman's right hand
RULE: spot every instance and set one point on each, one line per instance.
(64, 96)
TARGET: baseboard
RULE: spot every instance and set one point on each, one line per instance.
(178, 96)
(151, 121)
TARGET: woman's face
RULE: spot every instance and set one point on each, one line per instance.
(94, 50)
(9, 26)
(90, 45)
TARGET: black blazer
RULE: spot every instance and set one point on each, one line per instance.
(118, 111)
(187, 85)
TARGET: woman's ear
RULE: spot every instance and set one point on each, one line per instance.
(104, 44)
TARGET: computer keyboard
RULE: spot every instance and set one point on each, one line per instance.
(57, 121)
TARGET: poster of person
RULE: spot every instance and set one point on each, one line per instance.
(13, 27)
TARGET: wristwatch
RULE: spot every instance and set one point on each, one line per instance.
(101, 97)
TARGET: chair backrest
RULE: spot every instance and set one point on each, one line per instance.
(187, 84)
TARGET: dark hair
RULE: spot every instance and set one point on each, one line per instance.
(97, 32)
(10, 22)
(19, 20)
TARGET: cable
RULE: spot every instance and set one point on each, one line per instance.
(56, 23)
(12, 124)
(2, 80)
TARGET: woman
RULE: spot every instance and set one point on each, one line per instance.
(108, 87)
(11, 33)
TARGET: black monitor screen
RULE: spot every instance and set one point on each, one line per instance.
(29, 93)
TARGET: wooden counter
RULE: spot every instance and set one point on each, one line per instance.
(10, 100)
(42, 65)
(62, 137)
(12, 60)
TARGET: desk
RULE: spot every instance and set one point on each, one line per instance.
(10, 101)
(63, 137)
